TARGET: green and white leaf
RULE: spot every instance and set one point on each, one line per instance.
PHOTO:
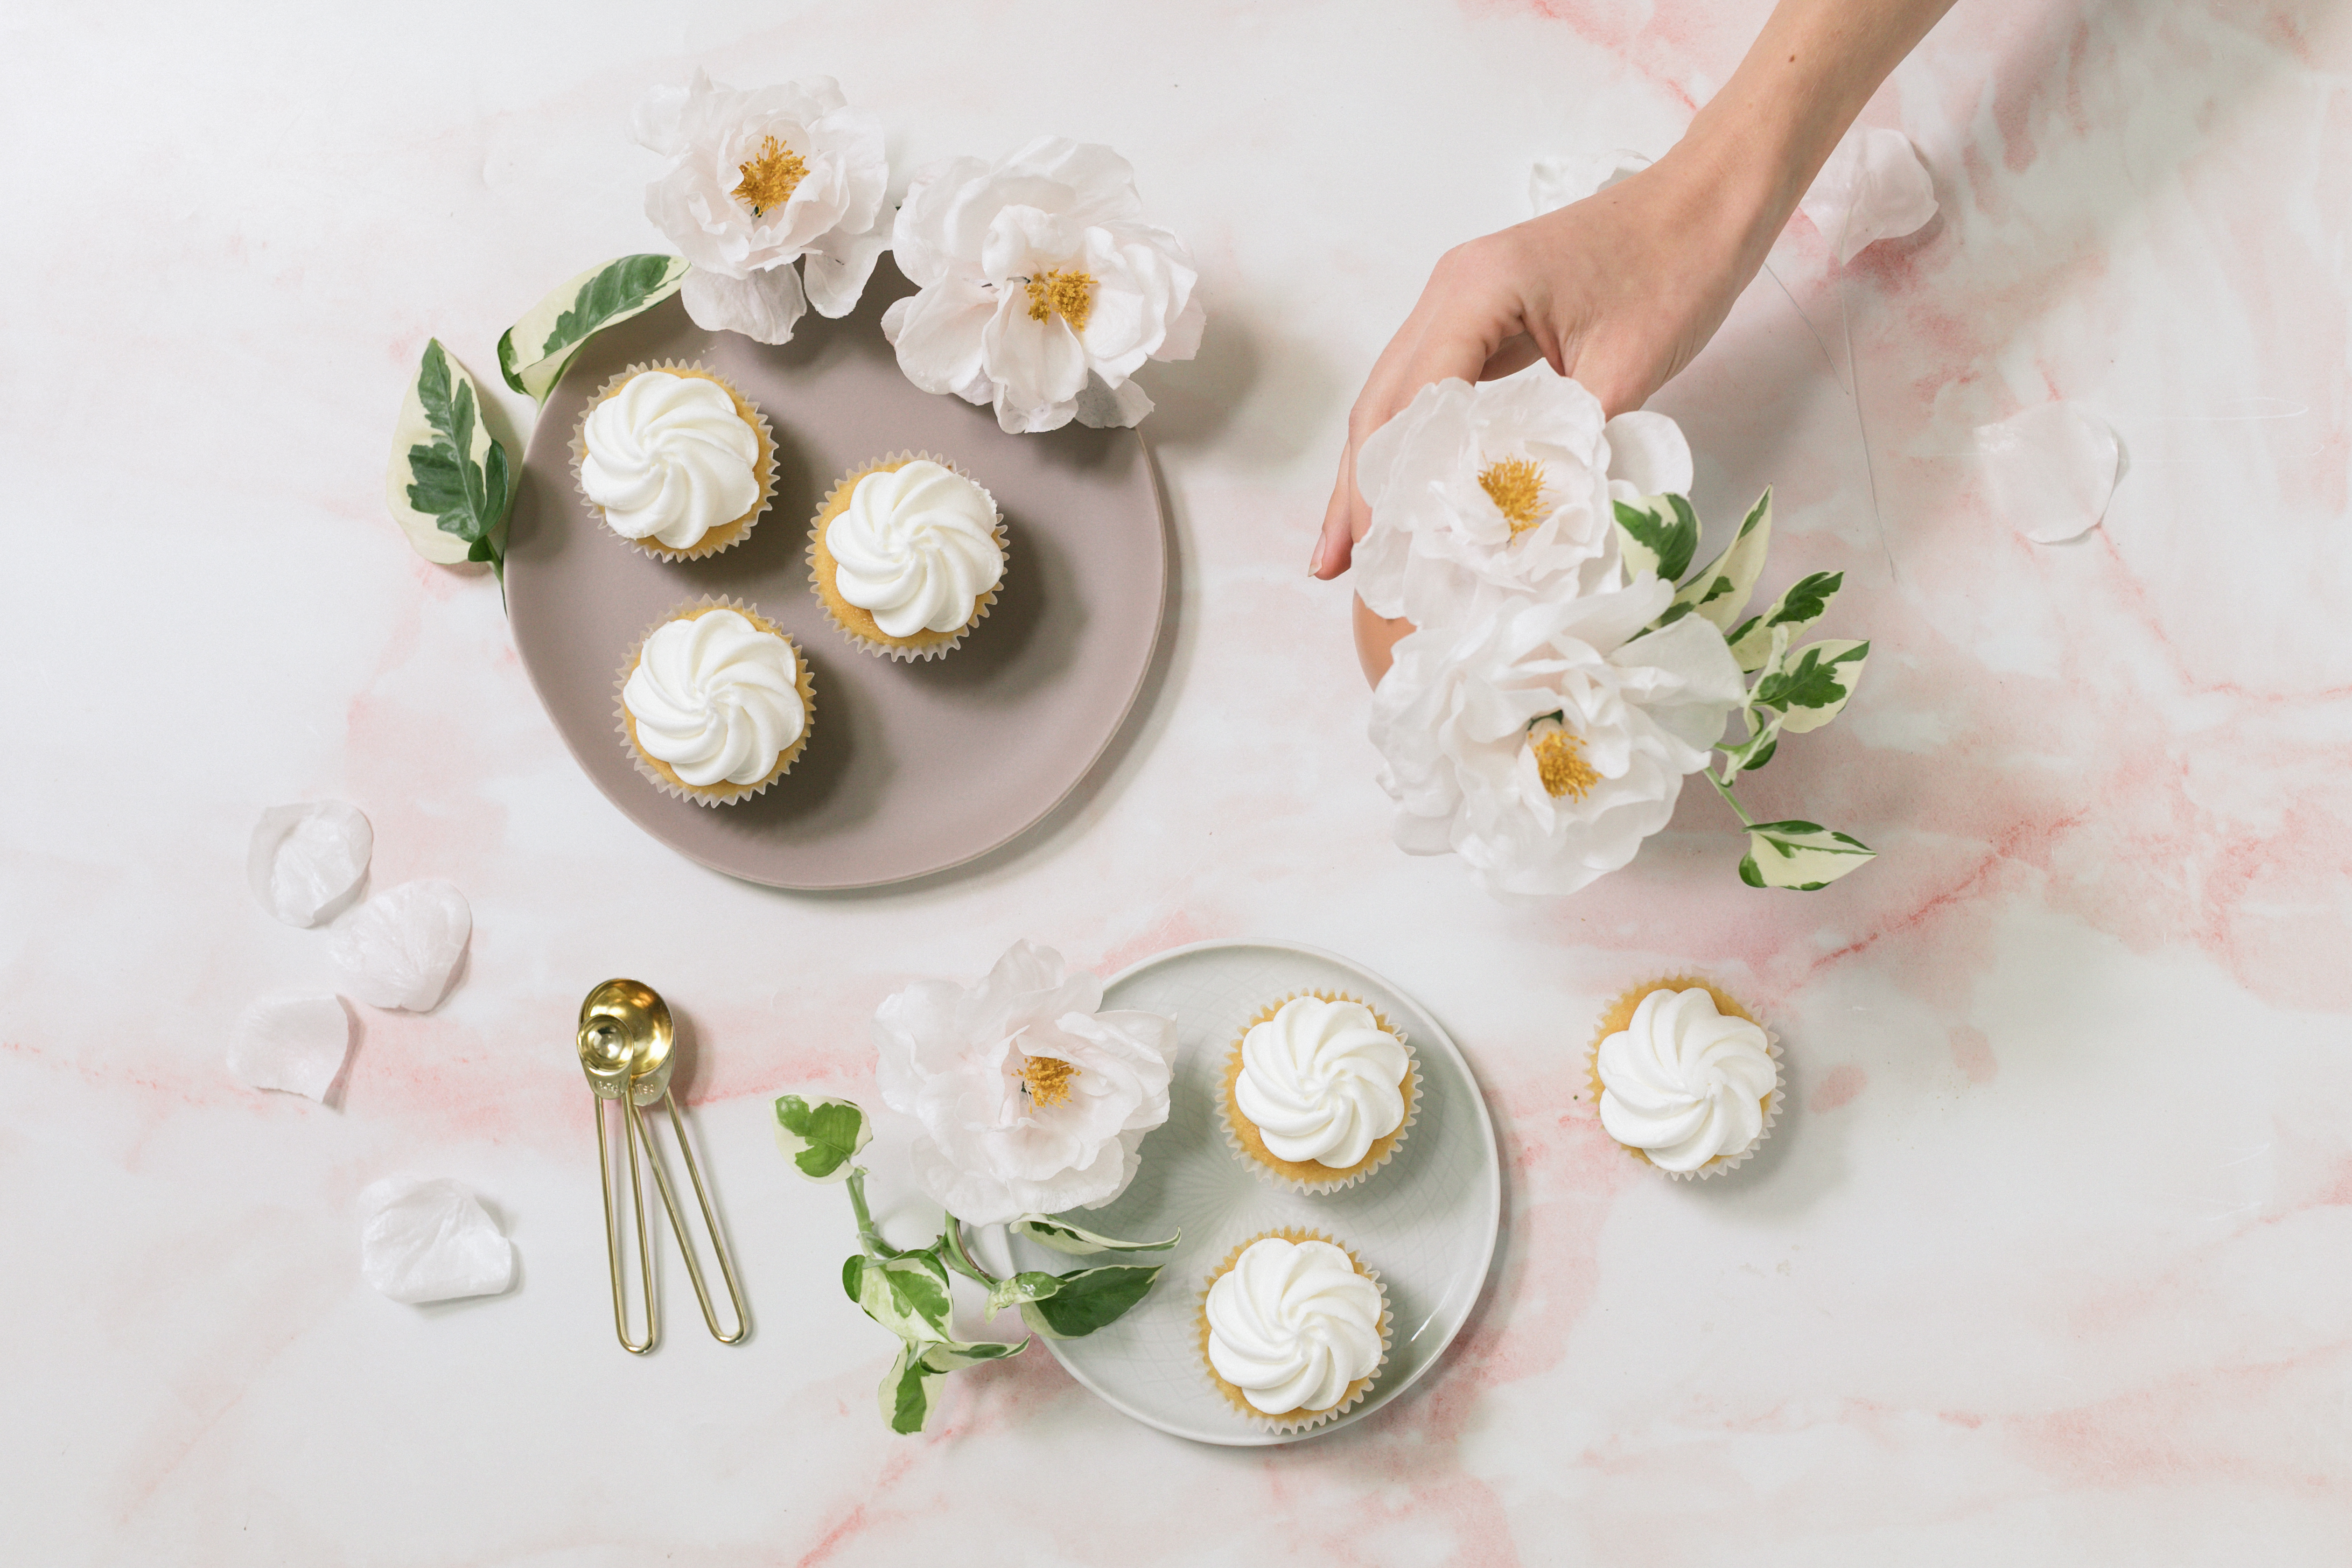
(1028, 1286)
(1805, 603)
(909, 1390)
(1064, 1237)
(821, 1136)
(1812, 684)
(1763, 740)
(1722, 586)
(449, 485)
(1801, 856)
(1089, 1299)
(1657, 533)
(907, 1295)
(535, 351)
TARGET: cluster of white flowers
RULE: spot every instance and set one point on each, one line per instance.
(1542, 716)
(1040, 288)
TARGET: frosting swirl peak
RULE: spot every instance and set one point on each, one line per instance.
(916, 548)
(1685, 1083)
(669, 458)
(1321, 1081)
(1293, 1325)
(717, 699)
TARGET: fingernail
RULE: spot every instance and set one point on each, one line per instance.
(1315, 561)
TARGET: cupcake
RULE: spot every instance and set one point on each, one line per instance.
(1687, 1080)
(1320, 1092)
(905, 555)
(1294, 1328)
(673, 461)
(716, 703)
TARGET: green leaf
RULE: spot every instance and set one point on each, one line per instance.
(1814, 683)
(1028, 1286)
(1064, 1237)
(536, 349)
(1799, 608)
(1754, 751)
(1723, 585)
(954, 1355)
(1089, 1299)
(853, 1270)
(907, 1295)
(821, 1136)
(1800, 856)
(449, 485)
(909, 1390)
(1660, 535)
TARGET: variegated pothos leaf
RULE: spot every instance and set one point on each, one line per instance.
(1657, 533)
(821, 1136)
(1805, 603)
(1800, 856)
(1062, 1236)
(1722, 586)
(535, 351)
(907, 1295)
(1812, 683)
(909, 1391)
(1088, 1298)
(448, 485)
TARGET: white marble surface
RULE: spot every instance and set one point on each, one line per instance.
(2048, 1264)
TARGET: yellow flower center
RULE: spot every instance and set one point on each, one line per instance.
(1048, 1079)
(1560, 763)
(770, 178)
(1069, 295)
(1515, 487)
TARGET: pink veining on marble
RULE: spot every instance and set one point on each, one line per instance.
(2045, 1261)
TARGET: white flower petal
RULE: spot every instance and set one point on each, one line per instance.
(1104, 408)
(1648, 452)
(837, 268)
(938, 333)
(1874, 186)
(763, 307)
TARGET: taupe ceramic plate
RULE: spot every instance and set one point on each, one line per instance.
(912, 768)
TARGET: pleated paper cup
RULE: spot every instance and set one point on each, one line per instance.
(858, 625)
(1307, 1176)
(664, 777)
(1294, 1420)
(727, 535)
(1619, 1012)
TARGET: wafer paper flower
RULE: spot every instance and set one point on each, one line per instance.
(1507, 487)
(756, 182)
(1543, 740)
(1042, 288)
(1032, 1099)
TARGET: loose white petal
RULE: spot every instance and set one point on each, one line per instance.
(2051, 469)
(292, 1042)
(763, 307)
(305, 860)
(431, 1240)
(400, 948)
(1874, 187)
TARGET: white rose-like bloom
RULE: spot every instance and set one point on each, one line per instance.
(756, 182)
(1042, 288)
(1032, 1100)
(1506, 485)
(1546, 807)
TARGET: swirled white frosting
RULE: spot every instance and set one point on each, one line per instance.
(916, 548)
(669, 459)
(1684, 1083)
(717, 699)
(1321, 1081)
(1292, 1324)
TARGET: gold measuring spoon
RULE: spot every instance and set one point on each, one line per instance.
(626, 1042)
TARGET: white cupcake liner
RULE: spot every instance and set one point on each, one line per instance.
(876, 645)
(1358, 1391)
(1324, 1186)
(1721, 1163)
(764, 470)
(720, 794)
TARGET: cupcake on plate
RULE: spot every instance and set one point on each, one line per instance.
(675, 460)
(906, 555)
(1320, 1092)
(1687, 1080)
(1294, 1328)
(716, 703)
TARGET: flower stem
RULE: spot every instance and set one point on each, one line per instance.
(1729, 799)
(953, 1254)
(868, 1236)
